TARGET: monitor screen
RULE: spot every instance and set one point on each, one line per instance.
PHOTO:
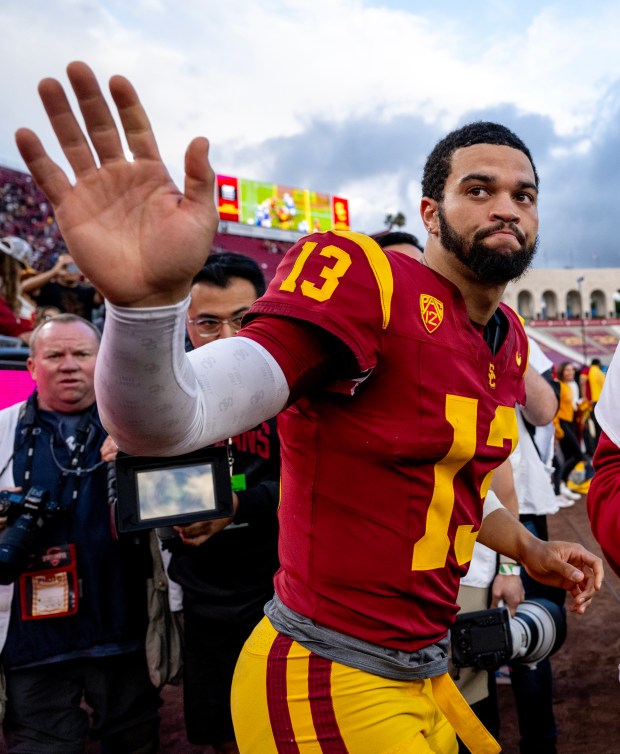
(175, 491)
(154, 491)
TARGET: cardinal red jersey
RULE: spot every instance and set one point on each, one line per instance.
(604, 499)
(383, 478)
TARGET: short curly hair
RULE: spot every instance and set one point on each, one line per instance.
(439, 162)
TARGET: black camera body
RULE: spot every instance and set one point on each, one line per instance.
(481, 639)
(26, 514)
(488, 639)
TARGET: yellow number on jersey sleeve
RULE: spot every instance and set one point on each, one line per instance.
(334, 273)
(331, 275)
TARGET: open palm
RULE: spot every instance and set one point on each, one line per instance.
(136, 236)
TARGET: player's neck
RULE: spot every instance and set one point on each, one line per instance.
(481, 299)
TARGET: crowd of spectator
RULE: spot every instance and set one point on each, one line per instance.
(26, 213)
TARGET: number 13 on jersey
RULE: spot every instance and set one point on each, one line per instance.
(331, 275)
(431, 550)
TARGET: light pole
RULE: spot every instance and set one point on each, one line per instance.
(580, 280)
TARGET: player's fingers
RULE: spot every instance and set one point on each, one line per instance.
(199, 175)
(581, 600)
(97, 115)
(598, 570)
(138, 132)
(569, 574)
(48, 176)
(66, 127)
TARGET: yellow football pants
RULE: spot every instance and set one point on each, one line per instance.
(287, 700)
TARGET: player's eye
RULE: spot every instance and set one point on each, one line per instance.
(478, 191)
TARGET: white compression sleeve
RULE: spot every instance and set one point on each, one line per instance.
(154, 399)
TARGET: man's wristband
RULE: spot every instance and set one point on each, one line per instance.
(509, 569)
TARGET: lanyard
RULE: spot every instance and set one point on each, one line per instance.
(74, 472)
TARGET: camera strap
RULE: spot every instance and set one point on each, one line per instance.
(74, 472)
(67, 484)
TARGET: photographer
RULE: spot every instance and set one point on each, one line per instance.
(77, 595)
(227, 565)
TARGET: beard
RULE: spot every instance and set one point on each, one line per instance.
(488, 265)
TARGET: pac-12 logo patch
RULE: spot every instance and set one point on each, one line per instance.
(431, 309)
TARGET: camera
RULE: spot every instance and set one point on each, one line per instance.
(154, 492)
(487, 639)
(26, 515)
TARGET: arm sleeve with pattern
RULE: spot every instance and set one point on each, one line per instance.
(155, 399)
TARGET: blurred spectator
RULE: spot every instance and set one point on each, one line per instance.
(73, 595)
(566, 432)
(44, 313)
(401, 241)
(62, 287)
(14, 258)
(591, 381)
(226, 567)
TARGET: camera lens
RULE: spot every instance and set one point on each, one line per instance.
(537, 630)
(16, 544)
(18, 540)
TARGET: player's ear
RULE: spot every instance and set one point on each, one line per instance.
(428, 213)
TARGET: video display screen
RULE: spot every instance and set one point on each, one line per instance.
(272, 205)
(175, 491)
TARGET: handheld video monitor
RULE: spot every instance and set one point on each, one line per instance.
(154, 492)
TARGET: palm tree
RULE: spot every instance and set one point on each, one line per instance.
(397, 220)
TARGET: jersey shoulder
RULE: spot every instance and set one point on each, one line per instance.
(340, 281)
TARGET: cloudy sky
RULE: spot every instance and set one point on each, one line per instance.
(348, 97)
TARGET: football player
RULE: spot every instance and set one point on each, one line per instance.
(396, 387)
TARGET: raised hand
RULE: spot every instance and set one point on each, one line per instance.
(133, 233)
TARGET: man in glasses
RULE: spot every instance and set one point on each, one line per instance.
(227, 565)
(222, 292)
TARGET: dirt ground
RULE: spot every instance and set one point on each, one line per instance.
(586, 692)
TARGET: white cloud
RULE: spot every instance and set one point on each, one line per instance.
(250, 70)
(243, 73)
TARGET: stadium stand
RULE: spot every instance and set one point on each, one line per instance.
(572, 340)
(25, 212)
(266, 252)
